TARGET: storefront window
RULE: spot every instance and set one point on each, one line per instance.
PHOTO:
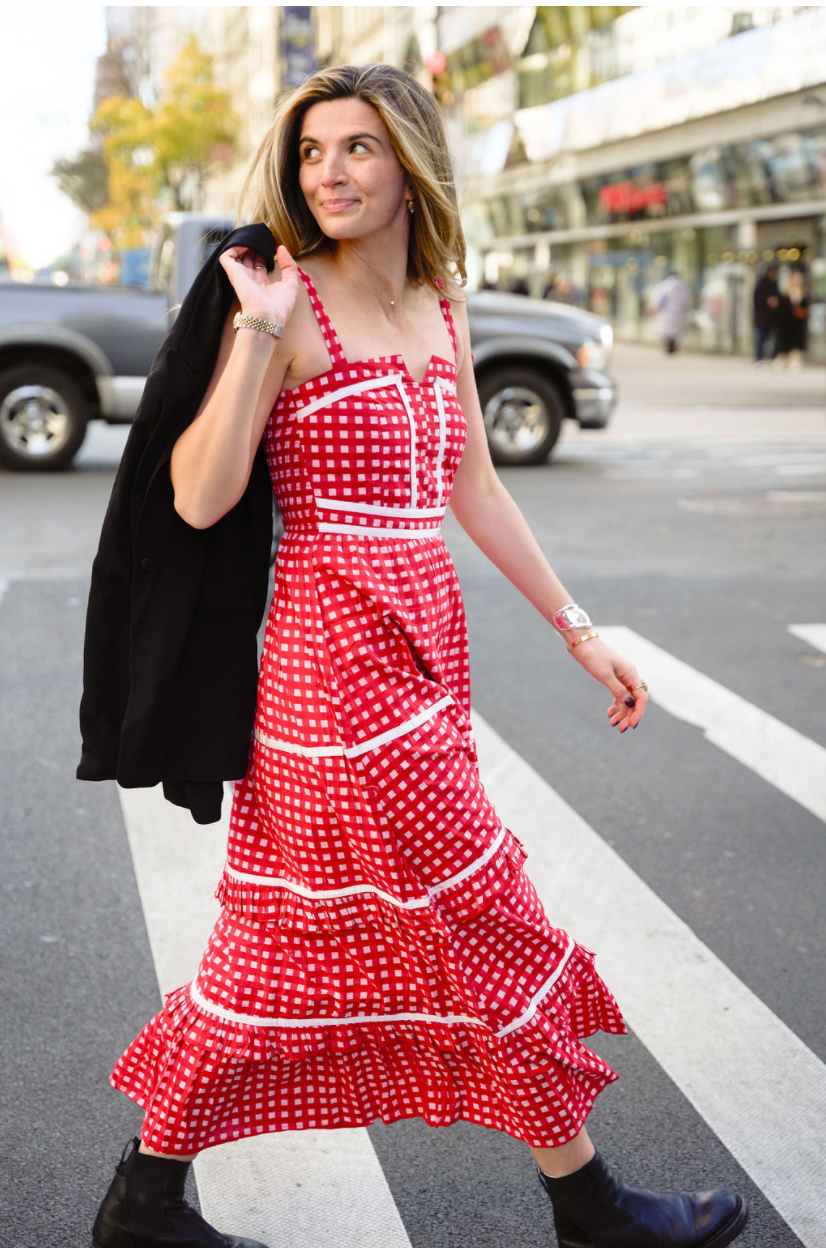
(793, 164)
(630, 195)
(751, 173)
(549, 210)
(817, 158)
(817, 293)
(507, 215)
(617, 277)
(675, 175)
(711, 187)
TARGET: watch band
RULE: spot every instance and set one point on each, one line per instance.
(239, 321)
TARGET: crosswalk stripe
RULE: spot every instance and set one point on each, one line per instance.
(760, 1089)
(297, 1189)
(814, 634)
(784, 757)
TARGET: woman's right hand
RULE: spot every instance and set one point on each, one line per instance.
(270, 296)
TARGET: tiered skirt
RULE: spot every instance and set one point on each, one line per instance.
(381, 953)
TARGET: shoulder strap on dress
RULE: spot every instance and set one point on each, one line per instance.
(444, 304)
(329, 334)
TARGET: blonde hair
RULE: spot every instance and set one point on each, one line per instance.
(271, 191)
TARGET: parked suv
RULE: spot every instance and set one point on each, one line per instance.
(76, 353)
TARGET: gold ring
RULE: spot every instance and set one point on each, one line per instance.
(641, 685)
(259, 266)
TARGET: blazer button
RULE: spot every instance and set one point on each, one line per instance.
(147, 564)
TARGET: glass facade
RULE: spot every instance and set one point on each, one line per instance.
(786, 169)
(616, 276)
(551, 91)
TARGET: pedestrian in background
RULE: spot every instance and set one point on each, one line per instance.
(793, 322)
(672, 299)
(380, 952)
(766, 314)
(561, 289)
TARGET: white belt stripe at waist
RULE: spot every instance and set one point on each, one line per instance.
(407, 533)
(379, 509)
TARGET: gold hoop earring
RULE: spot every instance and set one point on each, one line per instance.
(411, 206)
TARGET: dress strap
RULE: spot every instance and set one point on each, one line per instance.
(444, 304)
(337, 358)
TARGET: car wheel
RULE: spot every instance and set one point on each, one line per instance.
(523, 414)
(43, 416)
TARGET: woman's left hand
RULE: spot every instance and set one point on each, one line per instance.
(619, 676)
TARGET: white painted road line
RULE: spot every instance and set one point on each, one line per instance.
(777, 753)
(814, 634)
(302, 1189)
(760, 1089)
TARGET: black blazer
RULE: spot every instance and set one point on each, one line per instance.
(170, 657)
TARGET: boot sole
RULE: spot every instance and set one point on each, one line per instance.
(732, 1228)
(720, 1239)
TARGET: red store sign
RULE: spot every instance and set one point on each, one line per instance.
(625, 198)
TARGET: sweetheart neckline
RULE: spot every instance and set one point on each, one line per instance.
(374, 359)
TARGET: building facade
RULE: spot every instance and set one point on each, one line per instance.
(263, 51)
(596, 147)
(601, 148)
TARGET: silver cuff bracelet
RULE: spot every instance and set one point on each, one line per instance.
(570, 617)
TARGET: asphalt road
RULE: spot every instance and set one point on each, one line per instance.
(698, 522)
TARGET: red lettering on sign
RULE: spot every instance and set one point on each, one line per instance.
(626, 198)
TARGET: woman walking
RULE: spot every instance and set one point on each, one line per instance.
(380, 952)
(793, 322)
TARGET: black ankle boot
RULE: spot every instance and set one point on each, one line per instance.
(595, 1209)
(145, 1208)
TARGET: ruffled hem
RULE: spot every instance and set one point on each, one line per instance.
(537, 1083)
(289, 910)
(472, 894)
(278, 905)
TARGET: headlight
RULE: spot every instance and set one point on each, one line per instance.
(592, 355)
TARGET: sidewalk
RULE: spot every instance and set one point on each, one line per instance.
(691, 395)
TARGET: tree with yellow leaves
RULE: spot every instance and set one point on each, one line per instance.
(158, 157)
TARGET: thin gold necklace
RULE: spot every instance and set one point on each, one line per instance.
(358, 283)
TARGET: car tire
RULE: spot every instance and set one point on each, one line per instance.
(43, 418)
(523, 413)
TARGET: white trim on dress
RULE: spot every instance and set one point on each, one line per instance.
(323, 894)
(356, 387)
(474, 866)
(543, 992)
(364, 530)
(346, 1021)
(353, 751)
(440, 454)
(379, 509)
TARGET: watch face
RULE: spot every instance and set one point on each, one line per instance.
(572, 617)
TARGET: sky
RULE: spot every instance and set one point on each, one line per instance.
(46, 84)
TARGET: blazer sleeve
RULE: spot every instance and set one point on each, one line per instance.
(137, 622)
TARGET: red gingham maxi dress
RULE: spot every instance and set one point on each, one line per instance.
(380, 951)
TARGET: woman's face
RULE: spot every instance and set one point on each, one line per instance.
(348, 171)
